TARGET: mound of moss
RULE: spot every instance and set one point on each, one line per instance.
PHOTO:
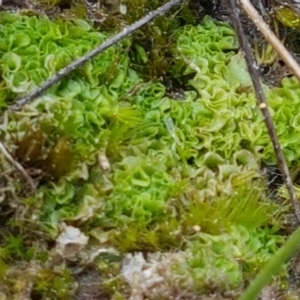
(116, 157)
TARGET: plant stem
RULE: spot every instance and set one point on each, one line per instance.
(272, 267)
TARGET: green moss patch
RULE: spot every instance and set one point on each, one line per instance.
(134, 169)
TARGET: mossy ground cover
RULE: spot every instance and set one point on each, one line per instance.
(144, 190)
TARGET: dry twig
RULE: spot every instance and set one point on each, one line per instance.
(271, 37)
(20, 103)
(17, 165)
(253, 70)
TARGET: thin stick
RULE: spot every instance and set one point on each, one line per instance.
(252, 67)
(271, 37)
(17, 165)
(82, 60)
